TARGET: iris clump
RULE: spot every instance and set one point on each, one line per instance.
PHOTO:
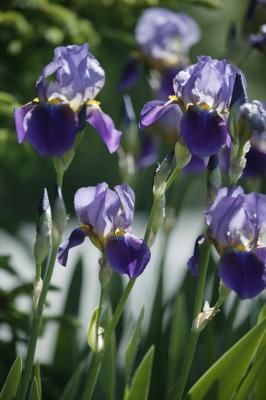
(106, 216)
(203, 91)
(66, 91)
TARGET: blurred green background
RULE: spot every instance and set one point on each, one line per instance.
(29, 31)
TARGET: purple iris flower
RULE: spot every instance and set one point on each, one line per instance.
(106, 216)
(164, 39)
(258, 41)
(203, 91)
(66, 91)
(235, 224)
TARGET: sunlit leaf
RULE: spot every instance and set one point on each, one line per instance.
(139, 389)
(10, 387)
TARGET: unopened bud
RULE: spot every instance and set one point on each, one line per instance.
(43, 230)
(161, 174)
(37, 290)
(60, 215)
(95, 337)
(182, 155)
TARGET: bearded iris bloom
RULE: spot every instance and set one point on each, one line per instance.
(235, 224)
(106, 216)
(203, 91)
(164, 39)
(66, 92)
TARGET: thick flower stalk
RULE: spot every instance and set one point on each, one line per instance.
(106, 216)
(66, 93)
(163, 39)
(203, 91)
(235, 225)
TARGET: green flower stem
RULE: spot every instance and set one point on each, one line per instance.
(96, 362)
(36, 322)
(179, 387)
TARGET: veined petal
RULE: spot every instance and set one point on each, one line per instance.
(76, 237)
(19, 115)
(127, 199)
(50, 128)
(154, 110)
(204, 132)
(127, 254)
(244, 272)
(105, 127)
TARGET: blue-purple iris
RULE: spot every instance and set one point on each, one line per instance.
(235, 224)
(106, 216)
(203, 91)
(164, 39)
(66, 91)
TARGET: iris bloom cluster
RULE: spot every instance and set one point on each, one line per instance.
(203, 91)
(236, 223)
(106, 216)
(66, 93)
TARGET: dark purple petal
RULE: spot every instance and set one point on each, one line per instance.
(51, 128)
(127, 254)
(244, 272)
(19, 116)
(149, 150)
(153, 110)
(105, 127)
(193, 262)
(130, 74)
(76, 237)
(256, 163)
(127, 201)
(203, 132)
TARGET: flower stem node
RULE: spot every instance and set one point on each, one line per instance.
(105, 274)
(37, 290)
(202, 319)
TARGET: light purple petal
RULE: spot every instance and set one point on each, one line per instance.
(19, 116)
(244, 272)
(76, 237)
(203, 132)
(105, 127)
(97, 207)
(193, 262)
(127, 200)
(154, 110)
(255, 207)
(127, 254)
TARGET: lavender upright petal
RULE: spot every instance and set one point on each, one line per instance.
(21, 120)
(104, 125)
(127, 254)
(127, 200)
(164, 36)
